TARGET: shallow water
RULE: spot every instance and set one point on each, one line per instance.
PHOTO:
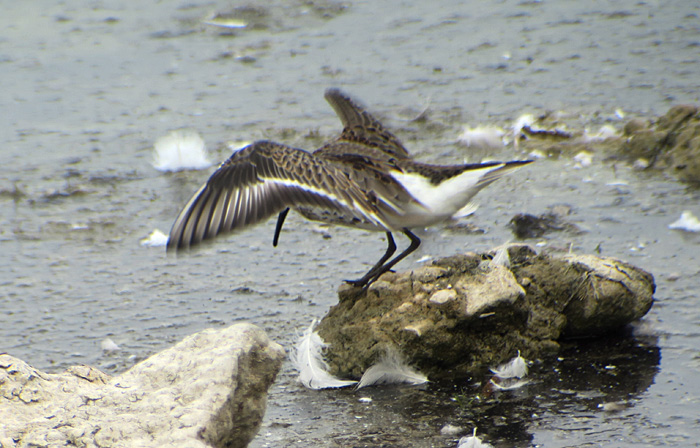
(87, 88)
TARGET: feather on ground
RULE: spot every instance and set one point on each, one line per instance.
(313, 369)
(473, 442)
(391, 369)
(515, 368)
(510, 375)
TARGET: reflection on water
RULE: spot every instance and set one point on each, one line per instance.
(565, 395)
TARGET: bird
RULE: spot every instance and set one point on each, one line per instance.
(364, 178)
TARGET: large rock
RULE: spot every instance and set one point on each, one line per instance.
(464, 314)
(208, 390)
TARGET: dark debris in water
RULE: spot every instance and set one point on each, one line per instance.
(69, 191)
(525, 225)
(170, 34)
(16, 193)
(554, 134)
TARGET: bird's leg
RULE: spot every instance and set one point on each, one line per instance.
(415, 242)
(378, 270)
(280, 222)
(391, 248)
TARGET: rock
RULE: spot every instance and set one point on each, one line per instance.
(634, 126)
(458, 317)
(525, 225)
(208, 390)
(672, 143)
(594, 294)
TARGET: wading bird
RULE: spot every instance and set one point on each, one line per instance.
(364, 178)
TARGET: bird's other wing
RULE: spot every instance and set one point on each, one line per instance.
(359, 126)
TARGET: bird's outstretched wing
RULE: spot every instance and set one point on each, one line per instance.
(360, 127)
(259, 181)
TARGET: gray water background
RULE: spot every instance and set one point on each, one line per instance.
(88, 86)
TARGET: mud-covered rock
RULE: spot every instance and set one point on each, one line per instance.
(525, 225)
(672, 143)
(464, 313)
(208, 390)
(613, 293)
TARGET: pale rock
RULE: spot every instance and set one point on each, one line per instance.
(487, 291)
(208, 390)
(443, 296)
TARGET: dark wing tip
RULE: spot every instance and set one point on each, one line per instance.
(334, 92)
(516, 163)
(174, 244)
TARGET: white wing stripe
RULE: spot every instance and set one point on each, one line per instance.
(352, 205)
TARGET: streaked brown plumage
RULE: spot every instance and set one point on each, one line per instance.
(365, 178)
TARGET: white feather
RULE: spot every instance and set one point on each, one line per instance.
(473, 442)
(391, 369)
(509, 384)
(520, 123)
(155, 239)
(515, 368)
(313, 369)
(482, 136)
(109, 345)
(502, 257)
(687, 222)
(180, 150)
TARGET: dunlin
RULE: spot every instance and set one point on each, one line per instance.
(364, 178)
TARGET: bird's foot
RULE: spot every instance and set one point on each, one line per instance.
(367, 280)
(360, 283)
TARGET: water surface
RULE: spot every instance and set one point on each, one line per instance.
(88, 87)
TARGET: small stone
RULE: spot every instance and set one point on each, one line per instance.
(673, 276)
(451, 430)
(419, 328)
(614, 406)
(633, 126)
(404, 307)
(641, 164)
(426, 274)
(419, 297)
(443, 296)
(381, 285)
